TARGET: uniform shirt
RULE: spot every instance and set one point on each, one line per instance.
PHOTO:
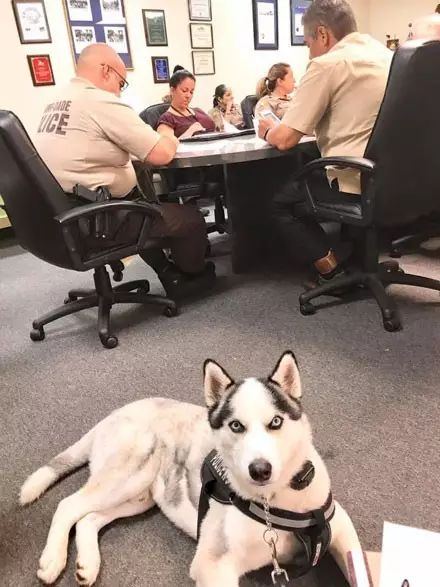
(181, 124)
(339, 99)
(277, 105)
(219, 116)
(87, 136)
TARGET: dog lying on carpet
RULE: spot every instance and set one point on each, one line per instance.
(264, 490)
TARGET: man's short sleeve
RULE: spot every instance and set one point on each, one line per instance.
(125, 128)
(311, 100)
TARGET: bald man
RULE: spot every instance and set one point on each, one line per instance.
(88, 136)
(428, 27)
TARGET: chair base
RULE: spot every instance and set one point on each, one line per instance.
(388, 273)
(103, 297)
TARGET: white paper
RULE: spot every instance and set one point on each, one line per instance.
(80, 10)
(266, 23)
(82, 37)
(299, 27)
(200, 9)
(111, 11)
(409, 554)
(32, 21)
(116, 39)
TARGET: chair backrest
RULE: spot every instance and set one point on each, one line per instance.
(405, 142)
(152, 114)
(248, 107)
(31, 194)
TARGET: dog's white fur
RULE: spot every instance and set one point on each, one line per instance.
(151, 451)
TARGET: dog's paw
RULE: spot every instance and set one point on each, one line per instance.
(87, 570)
(51, 566)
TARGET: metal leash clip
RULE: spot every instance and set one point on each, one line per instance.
(270, 537)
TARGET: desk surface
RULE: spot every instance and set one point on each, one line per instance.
(231, 150)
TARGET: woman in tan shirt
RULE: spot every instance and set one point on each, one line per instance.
(273, 91)
(224, 109)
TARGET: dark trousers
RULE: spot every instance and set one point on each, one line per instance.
(304, 237)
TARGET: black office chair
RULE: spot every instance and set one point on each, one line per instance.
(413, 236)
(176, 191)
(247, 109)
(400, 177)
(50, 225)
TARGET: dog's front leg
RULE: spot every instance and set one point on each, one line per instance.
(207, 571)
(344, 538)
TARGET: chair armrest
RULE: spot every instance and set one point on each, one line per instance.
(87, 210)
(360, 163)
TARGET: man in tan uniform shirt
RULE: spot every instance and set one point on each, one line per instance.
(338, 99)
(88, 136)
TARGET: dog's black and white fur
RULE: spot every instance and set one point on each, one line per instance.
(151, 451)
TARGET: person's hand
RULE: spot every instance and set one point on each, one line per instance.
(196, 127)
(264, 125)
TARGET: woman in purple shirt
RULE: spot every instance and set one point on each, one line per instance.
(180, 120)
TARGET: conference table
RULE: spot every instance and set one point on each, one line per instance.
(253, 172)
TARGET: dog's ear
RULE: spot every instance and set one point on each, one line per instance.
(216, 381)
(286, 375)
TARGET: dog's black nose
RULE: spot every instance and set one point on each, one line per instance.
(260, 470)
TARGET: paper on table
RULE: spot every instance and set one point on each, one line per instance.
(409, 554)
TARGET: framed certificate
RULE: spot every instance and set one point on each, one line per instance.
(201, 36)
(41, 70)
(199, 9)
(203, 62)
(31, 19)
(297, 10)
(155, 28)
(265, 13)
(161, 70)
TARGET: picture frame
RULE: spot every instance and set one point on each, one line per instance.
(161, 70)
(201, 35)
(265, 18)
(98, 21)
(203, 62)
(297, 10)
(155, 28)
(31, 20)
(200, 10)
(41, 70)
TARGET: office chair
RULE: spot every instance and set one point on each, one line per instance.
(400, 177)
(247, 109)
(415, 235)
(51, 226)
(177, 191)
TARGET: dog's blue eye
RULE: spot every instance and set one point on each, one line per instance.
(236, 426)
(276, 423)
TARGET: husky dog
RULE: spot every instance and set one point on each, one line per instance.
(152, 451)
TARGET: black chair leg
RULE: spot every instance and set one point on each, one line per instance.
(74, 294)
(141, 284)
(410, 279)
(125, 297)
(306, 308)
(109, 340)
(71, 308)
(388, 308)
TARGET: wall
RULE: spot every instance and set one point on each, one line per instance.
(391, 17)
(237, 64)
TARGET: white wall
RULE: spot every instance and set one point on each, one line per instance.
(237, 64)
(391, 17)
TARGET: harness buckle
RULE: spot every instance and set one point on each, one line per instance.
(280, 577)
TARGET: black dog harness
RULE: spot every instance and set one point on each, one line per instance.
(312, 529)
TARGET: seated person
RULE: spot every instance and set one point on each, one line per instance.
(89, 142)
(339, 98)
(273, 91)
(180, 120)
(224, 109)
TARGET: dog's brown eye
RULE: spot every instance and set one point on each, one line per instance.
(236, 427)
(276, 423)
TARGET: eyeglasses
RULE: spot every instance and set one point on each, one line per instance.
(123, 83)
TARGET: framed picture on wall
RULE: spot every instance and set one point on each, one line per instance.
(297, 10)
(201, 35)
(98, 21)
(31, 19)
(265, 15)
(161, 70)
(155, 28)
(41, 70)
(199, 9)
(203, 62)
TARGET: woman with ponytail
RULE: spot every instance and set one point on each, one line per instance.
(224, 109)
(273, 91)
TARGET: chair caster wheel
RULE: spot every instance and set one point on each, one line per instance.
(117, 276)
(70, 299)
(143, 290)
(110, 342)
(392, 325)
(37, 334)
(170, 311)
(307, 309)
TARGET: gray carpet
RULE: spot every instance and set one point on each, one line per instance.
(373, 398)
